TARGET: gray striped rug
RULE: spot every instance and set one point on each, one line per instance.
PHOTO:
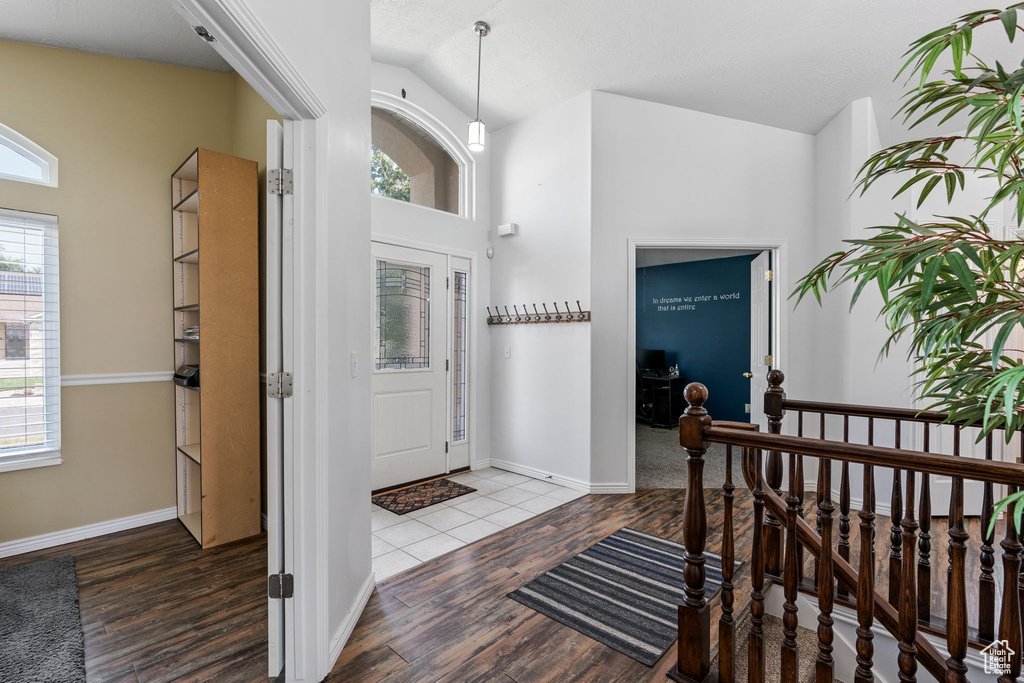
(623, 591)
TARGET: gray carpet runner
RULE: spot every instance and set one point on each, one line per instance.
(806, 643)
(40, 624)
(623, 591)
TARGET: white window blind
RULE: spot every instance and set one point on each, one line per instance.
(30, 323)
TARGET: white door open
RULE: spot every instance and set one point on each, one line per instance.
(760, 335)
(408, 385)
(278, 356)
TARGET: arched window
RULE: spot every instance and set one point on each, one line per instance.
(25, 161)
(410, 164)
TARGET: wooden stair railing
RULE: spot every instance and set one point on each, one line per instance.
(694, 661)
(901, 419)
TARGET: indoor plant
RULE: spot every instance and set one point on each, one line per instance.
(951, 285)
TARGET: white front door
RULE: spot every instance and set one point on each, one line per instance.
(760, 334)
(408, 385)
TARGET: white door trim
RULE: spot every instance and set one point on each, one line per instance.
(780, 327)
(247, 46)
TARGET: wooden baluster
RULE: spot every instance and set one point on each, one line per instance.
(844, 506)
(818, 495)
(755, 642)
(726, 624)
(824, 665)
(694, 646)
(956, 600)
(908, 592)
(773, 542)
(791, 577)
(866, 579)
(924, 544)
(986, 582)
(1009, 616)
(800, 510)
(895, 532)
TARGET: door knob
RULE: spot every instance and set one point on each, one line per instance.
(748, 374)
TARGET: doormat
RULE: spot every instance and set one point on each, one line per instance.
(421, 495)
(40, 625)
(623, 591)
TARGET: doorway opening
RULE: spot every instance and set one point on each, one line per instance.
(700, 313)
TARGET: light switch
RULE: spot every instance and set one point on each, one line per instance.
(508, 352)
(355, 363)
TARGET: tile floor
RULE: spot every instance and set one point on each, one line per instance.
(502, 499)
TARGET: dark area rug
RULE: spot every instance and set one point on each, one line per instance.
(623, 591)
(40, 624)
(419, 496)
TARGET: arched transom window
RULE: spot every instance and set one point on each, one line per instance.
(25, 161)
(407, 163)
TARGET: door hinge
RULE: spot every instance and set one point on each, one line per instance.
(445, 446)
(446, 364)
(447, 283)
(279, 181)
(280, 586)
(769, 361)
(769, 275)
(279, 385)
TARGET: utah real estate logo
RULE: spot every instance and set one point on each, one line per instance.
(996, 657)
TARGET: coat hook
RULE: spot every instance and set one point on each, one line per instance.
(536, 315)
(580, 316)
(558, 317)
(490, 317)
(547, 316)
(508, 316)
(516, 309)
(568, 314)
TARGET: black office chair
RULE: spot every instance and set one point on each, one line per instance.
(644, 402)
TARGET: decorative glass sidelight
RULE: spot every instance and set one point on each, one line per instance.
(403, 316)
(460, 348)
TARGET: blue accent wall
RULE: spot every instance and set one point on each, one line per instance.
(699, 313)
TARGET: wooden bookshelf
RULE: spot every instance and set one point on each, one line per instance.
(215, 253)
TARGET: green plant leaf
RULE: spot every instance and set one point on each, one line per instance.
(1009, 19)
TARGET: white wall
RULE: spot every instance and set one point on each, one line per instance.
(328, 45)
(542, 393)
(661, 172)
(408, 224)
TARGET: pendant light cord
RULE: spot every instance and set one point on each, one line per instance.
(479, 50)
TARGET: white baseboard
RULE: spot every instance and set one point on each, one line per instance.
(51, 540)
(480, 464)
(610, 488)
(534, 473)
(348, 625)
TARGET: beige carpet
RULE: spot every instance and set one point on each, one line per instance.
(806, 643)
(661, 461)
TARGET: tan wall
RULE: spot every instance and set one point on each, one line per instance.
(119, 127)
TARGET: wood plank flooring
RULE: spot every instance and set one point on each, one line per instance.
(155, 607)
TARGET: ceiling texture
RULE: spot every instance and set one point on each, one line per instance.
(150, 30)
(791, 64)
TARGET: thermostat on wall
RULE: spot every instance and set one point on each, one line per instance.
(508, 230)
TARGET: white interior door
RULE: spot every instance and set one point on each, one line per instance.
(408, 385)
(278, 357)
(760, 335)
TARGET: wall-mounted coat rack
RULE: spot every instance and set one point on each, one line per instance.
(545, 316)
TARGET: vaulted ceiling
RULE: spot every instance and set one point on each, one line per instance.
(792, 64)
(789, 63)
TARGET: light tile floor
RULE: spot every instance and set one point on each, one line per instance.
(502, 499)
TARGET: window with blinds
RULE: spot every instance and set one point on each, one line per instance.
(30, 336)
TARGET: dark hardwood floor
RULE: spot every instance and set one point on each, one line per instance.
(157, 608)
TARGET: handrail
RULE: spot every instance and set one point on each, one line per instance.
(880, 412)
(917, 461)
(928, 655)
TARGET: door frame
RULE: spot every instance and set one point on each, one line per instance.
(780, 319)
(247, 46)
(473, 351)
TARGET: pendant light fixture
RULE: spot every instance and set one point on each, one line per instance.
(477, 131)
